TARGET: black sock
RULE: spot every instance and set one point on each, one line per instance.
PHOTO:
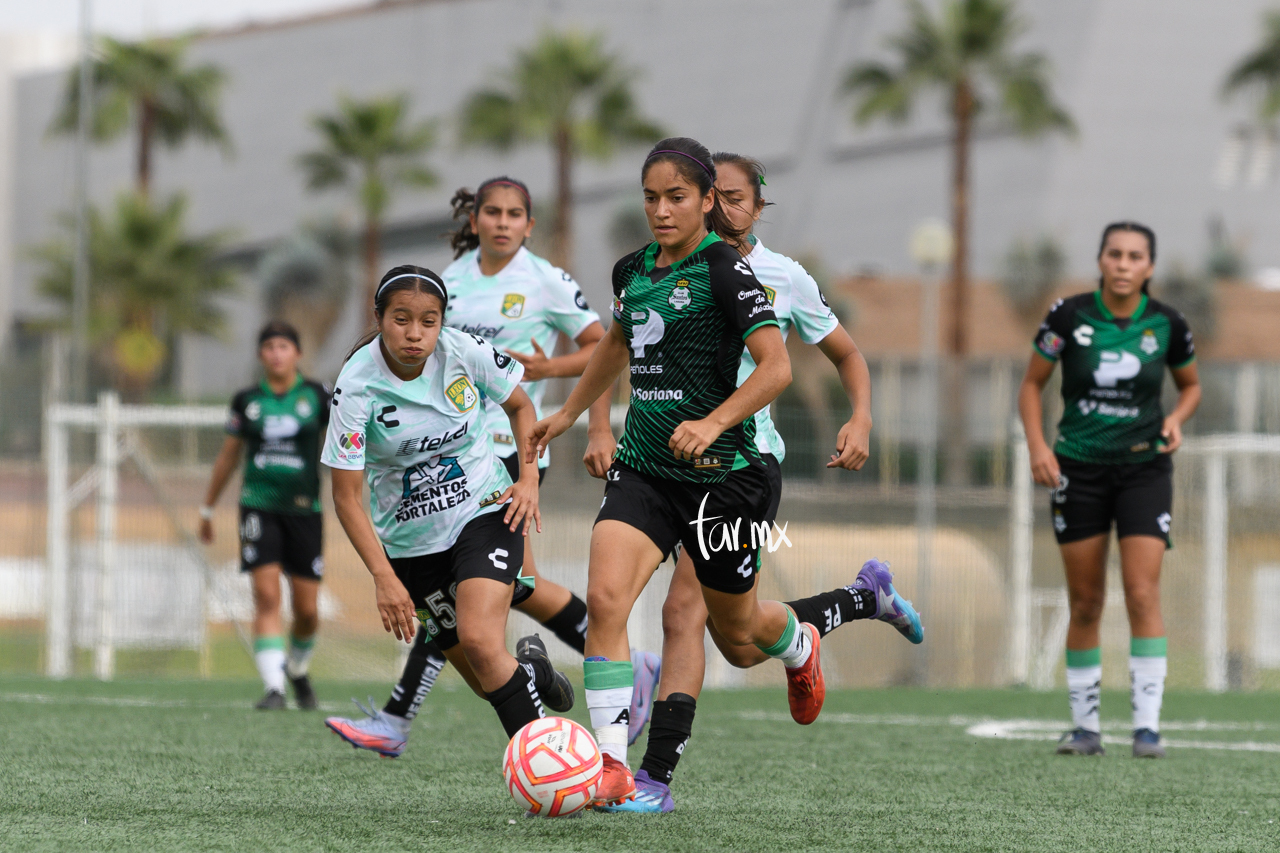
(419, 676)
(669, 728)
(827, 611)
(570, 624)
(517, 702)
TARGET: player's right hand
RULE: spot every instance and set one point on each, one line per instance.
(1044, 467)
(206, 531)
(395, 606)
(599, 456)
(542, 434)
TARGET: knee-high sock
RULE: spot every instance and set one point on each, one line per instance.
(420, 673)
(609, 685)
(517, 702)
(1084, 687)
(268, 654)
(669, 730)
(827, 611)
(300, 651)
(570, 624)
(1148, 665)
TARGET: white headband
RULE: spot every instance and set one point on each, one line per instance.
(428, 280)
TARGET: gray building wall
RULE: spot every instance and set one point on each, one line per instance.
(761, 77)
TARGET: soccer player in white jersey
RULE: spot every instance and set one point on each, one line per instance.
(445, 542)
(520, 303)
(800, 307)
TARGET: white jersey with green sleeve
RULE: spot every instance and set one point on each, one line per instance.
(529, 300)
(427, 457)
(798, 303)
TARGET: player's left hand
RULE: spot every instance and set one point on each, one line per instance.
(523, 495)
(692, 438)
(1171, 435)
(853, 445)
(536, 364)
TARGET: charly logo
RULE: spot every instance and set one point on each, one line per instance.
(727, 535)
(680, 298)
(462, 394)
(650, 332)
(1083, 334)
(1149, 344)
(512, 305)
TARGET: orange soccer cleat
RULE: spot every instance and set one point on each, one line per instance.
(806, 688)
(616, 783)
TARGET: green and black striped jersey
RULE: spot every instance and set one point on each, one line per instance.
(1112, 375)
(282, 434)
(685, 326)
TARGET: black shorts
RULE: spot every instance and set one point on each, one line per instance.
(484, 549)
(296, 542)
(1138, 498)
(726, 555)
(773, 469)
(513, 468)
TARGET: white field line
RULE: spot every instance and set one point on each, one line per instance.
(1043, 730)
(135, 702)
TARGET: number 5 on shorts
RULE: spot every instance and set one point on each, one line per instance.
(442, 609)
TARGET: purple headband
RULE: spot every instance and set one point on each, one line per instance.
(682, 154)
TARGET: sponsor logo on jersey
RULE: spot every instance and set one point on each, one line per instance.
(303, 409)
(512, 305)
(462, 394)
(492, 498)
(433, 486)
(276, 427)
(427, 443)
(351, 441)
(1088, 407)
(1051, 342)
(382, 417)
(706, 462)
(773, 294)
(680, 298)
(760, 309)
(657, 394)
(646, 368)
(501, 359)
(579, 299)
(650, 332)
(440, 469)
(1149, 344)
(1083, 334)
(488, 332)
(502, 438)
(1115, 366)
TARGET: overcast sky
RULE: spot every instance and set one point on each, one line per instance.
(140, 17)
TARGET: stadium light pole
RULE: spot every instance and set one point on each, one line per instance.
(931, 248)
(79, 385)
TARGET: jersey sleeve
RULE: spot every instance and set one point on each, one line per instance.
(811, 316)
(738, 293)
(345, 438)
(325, 396)
(494, 372)
(567, 309)
(236, 416)
(1051, 338)
(1182, 349)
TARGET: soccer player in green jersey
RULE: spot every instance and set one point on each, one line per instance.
(687, 470)
(277, 424)
(443, 531)
(1111, 464)
(799, 306)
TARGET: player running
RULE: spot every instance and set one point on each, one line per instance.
(687, 469)
(1112, 463)
(446, 538)
(520, 303)
(798, 304)
(278, 423)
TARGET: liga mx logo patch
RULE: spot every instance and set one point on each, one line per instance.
(462, 394)
(351, 440)
(512, 305)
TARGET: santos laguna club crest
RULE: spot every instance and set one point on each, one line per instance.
(462, 394)
(512, 305)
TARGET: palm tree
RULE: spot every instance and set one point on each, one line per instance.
(306, 279)
(966, 53)
(152, 282)
(147, 85)
(1260, 70)
(371, 147)
(566, 91)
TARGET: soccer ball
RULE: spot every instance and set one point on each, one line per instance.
(553, 767)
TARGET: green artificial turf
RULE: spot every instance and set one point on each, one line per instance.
(165, 765)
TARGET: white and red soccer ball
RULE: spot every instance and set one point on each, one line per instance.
(553, 767)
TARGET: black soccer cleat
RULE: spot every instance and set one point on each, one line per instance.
(273, 701)
(1081, 742)
(1146, 744)
(302, 692)
(557, 693)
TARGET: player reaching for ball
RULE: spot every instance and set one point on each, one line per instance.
(687, 468)
(520, 303)
(799, 305)
(1111, 464)
(446, 538)
(278, 424)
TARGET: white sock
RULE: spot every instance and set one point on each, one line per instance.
(610, 715)
(794, 646)
(270, 663)
(300, 652)
(1146, 688)
(1084, 689)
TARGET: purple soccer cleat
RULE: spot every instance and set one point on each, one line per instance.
(646, 670)
(891, 607)
(651, 797)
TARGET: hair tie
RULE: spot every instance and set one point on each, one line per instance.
(702, 165)
(431, 281)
